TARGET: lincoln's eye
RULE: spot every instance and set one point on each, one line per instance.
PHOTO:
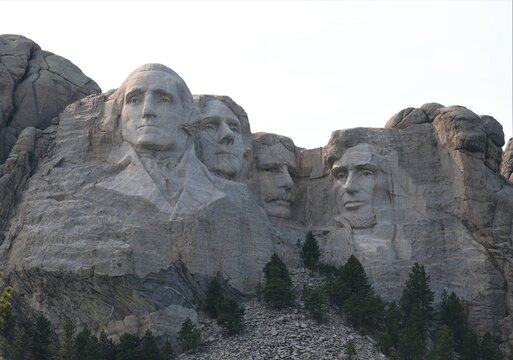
(367, 173)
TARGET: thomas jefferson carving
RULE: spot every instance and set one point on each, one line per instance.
(223, 136)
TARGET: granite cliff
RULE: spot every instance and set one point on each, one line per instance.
(118, 209)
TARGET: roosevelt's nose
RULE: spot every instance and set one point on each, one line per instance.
(285, 180)
(225, 134)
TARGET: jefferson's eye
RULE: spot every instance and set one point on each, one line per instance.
(209, 126)
(340, 175)
(166, 99)
(235, 129)
(133, 100)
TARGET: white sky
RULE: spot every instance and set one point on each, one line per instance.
(301, 69)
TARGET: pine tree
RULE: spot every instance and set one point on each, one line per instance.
(40, 335)
(230, 314)
(310, 252)
(5, 305)
(412, 340)
(350, 349)
(20, 345)
(354, 295)
(489, 348)
(278, 288)
(416, 303)
(150, 350)
(66, 351)
(470, 347)
(453, 315)
(214, 297)
(393, 323)
(189, 336)
(86, 345)
(444, 345)
(315, 303)
(128, 348)
(106, 348)
(168, 352)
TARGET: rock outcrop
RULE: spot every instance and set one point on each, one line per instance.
(35, 86)
(121, 211)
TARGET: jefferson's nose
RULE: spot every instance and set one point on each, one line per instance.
(226, 135)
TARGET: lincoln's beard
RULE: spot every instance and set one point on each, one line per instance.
(361, 218)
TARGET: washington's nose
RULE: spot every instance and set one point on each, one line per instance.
(148, 110)
(226, 135)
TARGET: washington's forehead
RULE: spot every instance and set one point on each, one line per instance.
(151, 80)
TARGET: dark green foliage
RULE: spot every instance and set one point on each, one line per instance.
(353, 294)
(149, 348)
(86, 345)
(310, 252)
(230, 314)
(470, 348)
(20, 345)
(276, 268)
(418, 296)
(168, 352)
(40, 336)
(350, 279)
(66, 351)
(412, 340)
(444, 345)
(453, 315)
(393, 323)
(489, 349)
(316, 303)
(416, 307)
(350, 349)
(106, 348)
(259, 291)
(278, 287)
(128, 347)
(189, 336)
(214, 297)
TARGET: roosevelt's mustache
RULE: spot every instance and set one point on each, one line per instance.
(279, 195)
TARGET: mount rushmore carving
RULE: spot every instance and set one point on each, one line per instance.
(120, 210)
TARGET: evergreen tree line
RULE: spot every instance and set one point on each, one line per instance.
(408, 329)
(35, 342)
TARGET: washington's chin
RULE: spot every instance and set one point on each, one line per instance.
(278, 208)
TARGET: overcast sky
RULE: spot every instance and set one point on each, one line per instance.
(300, 69)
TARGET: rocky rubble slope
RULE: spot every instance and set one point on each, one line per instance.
(285, 334)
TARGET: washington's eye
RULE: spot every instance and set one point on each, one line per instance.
(166, 99)
(235, 129)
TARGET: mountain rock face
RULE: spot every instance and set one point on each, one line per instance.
(123, 208)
